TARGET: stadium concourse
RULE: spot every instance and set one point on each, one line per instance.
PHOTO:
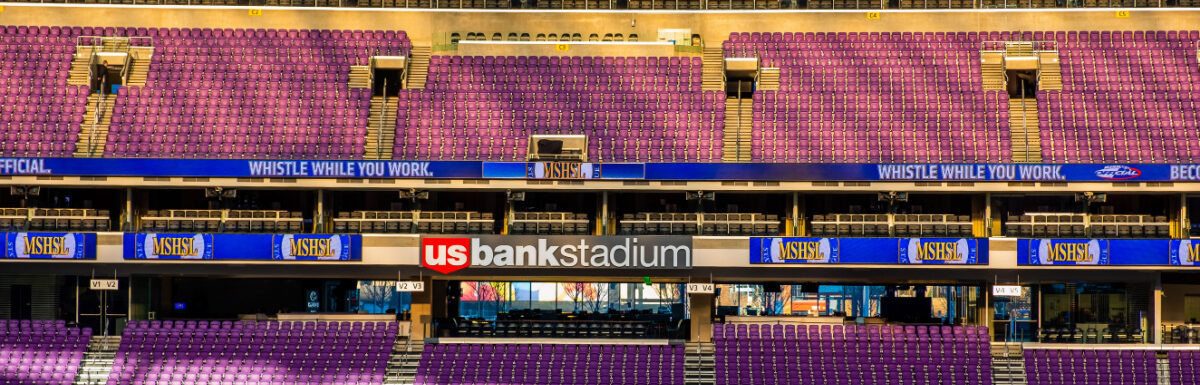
(708, 192)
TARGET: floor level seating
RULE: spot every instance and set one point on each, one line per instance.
(756, 354)
(1090, 366)
(40, 352)
(227, 352)
(583, 364)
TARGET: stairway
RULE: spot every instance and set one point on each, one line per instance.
(402, 365)
(992, 68)
(360, 77)
(1008, 364)
(714, 70)
(381, 128)
(1049, 72)
(139, 66)
(78, 75)
(738, 115)
(94, 134)
(768, 79)
(1024, 135)
(418, 68)
(97, 360)
(699, 364)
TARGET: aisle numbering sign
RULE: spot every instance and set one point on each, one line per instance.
(1006, 291)
(105, 284)
(1122, 14)
(410, 286)
(701, 288)
(872, 15)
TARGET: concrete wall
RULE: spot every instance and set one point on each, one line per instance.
(426, 26)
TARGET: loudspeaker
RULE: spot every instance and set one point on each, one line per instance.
(772, 288)
(549, 146)
(810, 288)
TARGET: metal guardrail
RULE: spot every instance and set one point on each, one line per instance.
(1037, 45)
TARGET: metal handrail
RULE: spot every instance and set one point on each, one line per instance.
(1037, 45)
(382, 118)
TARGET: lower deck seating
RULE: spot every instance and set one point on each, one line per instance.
(557, 364)
(1090, 366)
(227, 352)
(40, 352)
(851, 355)
(1185, 366)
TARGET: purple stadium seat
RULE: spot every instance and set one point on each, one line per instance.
(40, 352)
(41, 115)
(464, 364)
(643, 109)
(250, 94)
(853, 354)
(225, 352)
(1127, 97)
(1091, 366)
(874, 98)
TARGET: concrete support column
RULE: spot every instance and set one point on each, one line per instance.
(319, 213)
(421, 310)
(1157, 312)
(701, 314)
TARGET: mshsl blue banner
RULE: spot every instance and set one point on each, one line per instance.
(49, 246)
(244, 247)
(629, 171)
(1100, 252)
(875, 251)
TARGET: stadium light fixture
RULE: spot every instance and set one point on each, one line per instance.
(414, 194)
(701, 196)
(25, 191)
(893, 197)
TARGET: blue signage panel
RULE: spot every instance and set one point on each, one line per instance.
(244, 247)
(875, 251)
(239, 168)
(922, 172)
(1085, 252)
(49, 246)
(1185, 252)
(627, 171)
(563, 170)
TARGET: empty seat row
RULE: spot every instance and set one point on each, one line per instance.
(437, 222)
(703, 224)
(243, 221)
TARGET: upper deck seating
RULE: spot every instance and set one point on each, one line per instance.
(227, 352)
(241, 93)
(1128, 96)
(40, 352)
(874, 98)
(631, 109)
(41, 115)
